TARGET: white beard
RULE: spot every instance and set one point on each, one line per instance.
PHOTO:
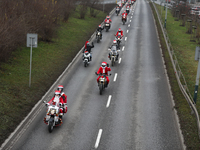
(56, 100)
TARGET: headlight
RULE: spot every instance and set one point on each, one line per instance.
(53, 111)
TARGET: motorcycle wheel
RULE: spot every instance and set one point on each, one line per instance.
(100, 89)
(106, 29)
(85, 64)
(123, 22)
(112, 62)
(50, 126)
(98, 39)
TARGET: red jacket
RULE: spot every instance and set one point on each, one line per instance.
(124, 14)
(60, 100)
(105, 70)
(64, 96)
(86, 44)
(121, 33)
(107, 20)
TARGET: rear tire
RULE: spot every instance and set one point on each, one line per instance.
(98, 39)
(85, 64)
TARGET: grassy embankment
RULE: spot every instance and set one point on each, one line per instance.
(185, 51)
(48, 61)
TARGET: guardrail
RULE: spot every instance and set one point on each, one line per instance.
(179, 75)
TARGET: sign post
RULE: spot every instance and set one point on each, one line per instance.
(31, 41)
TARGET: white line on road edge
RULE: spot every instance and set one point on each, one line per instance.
(115, 77)
(129, 25)
(98, 138)
(123, 48)
(108, 102)
(127, 31)
(119, 60)
(125, 38)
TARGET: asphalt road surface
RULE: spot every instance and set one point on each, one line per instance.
(135, 112)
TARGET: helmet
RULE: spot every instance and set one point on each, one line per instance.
(119, 30)
(88, 43)
(108, 17)
(114, 42)
(99, 26)
(57, 92)
(103, 64)
(60, 88)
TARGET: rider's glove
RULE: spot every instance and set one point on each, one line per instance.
(96, 73)
(60, 104)
(107, 65)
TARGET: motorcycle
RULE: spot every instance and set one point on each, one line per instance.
(102, 82)
(52, 118)
(86, 58)
(117, 11)
(118, 38)
(98, 36)
(132, 2)
(107, 25)
(124, 19)
(127, 10)
(113, 55)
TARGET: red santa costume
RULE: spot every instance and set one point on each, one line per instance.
(103, 70)
(119, 31)
(56, 100)
(64, 97)
(107, 19)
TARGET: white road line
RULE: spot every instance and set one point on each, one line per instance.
(129, 25)
(98, 138)
(123, 48)
(119, 60)
(127, 31)
(130, 20)
(115, 77)
(108, 102)
(125, 38)
(131, 16)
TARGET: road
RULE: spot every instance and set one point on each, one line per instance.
(135, 112)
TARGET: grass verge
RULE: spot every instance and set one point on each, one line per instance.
(48, 61)
(185, 54)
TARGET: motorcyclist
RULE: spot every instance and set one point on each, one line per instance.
(107, 19)
(119, 31)
(88, 48)
(64, 96)
(127, 8)
(57, 99)
(100, 30)
(86, 44)
(114, 47)
(124, 14)
(104, 70)
(117, 8)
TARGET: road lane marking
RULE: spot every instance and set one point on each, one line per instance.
(98, 138)
(127, 31)
(108, 102)
(131, 16)
(125, 38)
(130, 20)
(123, 48)
(115, 77)
(129, 25)
(119, 60)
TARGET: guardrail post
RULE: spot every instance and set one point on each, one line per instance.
(197, 53)
(182, 23)
(193, 35)
(189, 26)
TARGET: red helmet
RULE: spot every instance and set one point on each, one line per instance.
(114, 42)
(119, 30)
(100, 26)
(108, 17)
(104, 64)
(60, 88)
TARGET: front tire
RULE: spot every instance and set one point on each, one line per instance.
(100, 89)
(98, 39)
(50, 126)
